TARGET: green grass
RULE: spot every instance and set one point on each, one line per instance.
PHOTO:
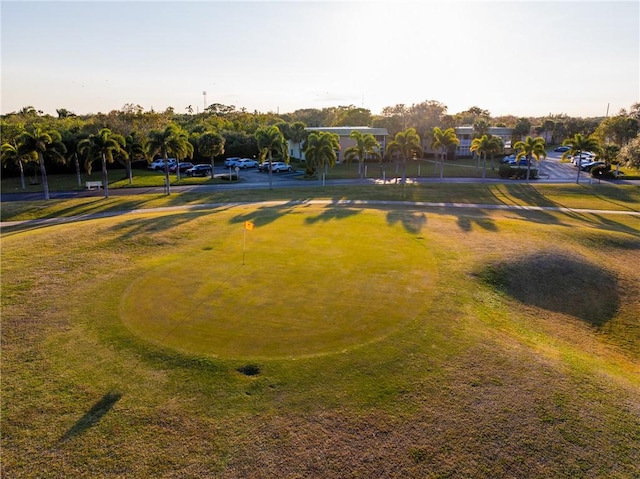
(130, 343)
(215, 304)
(603, 196)
(117, 179)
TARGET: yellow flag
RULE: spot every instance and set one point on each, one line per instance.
(248, 225)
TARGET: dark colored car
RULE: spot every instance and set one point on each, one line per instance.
(183, 166)
(200, 170)
(511, 160)
(592, 164)
(561, 149)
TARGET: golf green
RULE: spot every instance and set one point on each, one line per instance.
(312, 281)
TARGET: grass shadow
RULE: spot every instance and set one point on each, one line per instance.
(557, 282)
(92, 416)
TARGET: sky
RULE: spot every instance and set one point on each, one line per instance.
(580, 58)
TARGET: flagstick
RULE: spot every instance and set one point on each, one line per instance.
(244, 235)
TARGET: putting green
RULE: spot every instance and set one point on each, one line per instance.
(311, 284)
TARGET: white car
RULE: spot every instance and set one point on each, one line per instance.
(278, 166)
(245, 163)
(231, 161)
(585, 157)
(158, 165)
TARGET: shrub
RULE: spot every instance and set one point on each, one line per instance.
(602, 172)
(517, 172)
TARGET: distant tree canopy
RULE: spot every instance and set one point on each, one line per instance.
(238, 126)
(630, 153)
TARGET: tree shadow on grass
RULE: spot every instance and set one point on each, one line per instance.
(412, 222)
(263, 215)
(466, 223)
(558, 282)
(93, 415)
(331, 213)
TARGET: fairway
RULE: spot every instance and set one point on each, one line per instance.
(307, 286)
(330, 341)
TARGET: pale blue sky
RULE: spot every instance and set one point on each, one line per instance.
(521, 58)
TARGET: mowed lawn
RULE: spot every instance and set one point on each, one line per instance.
(354, 341)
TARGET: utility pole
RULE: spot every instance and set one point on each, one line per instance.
(204, 94)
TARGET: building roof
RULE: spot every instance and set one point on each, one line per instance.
(346, 130)
(494, 130)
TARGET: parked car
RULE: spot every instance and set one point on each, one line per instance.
(263, 166)
(231, 161)
(583, 158)
(245, 163)
(590, 165)
(278, 166)
(199, 170)
(182, 166)
(561, 149)
(158, 165)
(511, 160)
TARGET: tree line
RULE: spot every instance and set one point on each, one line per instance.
(131, 135)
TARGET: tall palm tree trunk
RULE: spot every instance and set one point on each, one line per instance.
(105, 178)
(167, 185)
(77, 163)
(484, 166)
(129, 172)
(270, 171)
(22, 182)
(579, 166)
(43, 172)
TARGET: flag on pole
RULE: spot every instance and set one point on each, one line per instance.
(248, 225)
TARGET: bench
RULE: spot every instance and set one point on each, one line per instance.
(94, 184)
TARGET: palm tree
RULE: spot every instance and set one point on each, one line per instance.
(134, 146)
(487, 144)
(320, 151)
(366, 145)
(530, 148)
(579, 144)
(481, 126)
(407, 145)
(271, 139)
(211, 144)
(185, 152)
(104, 145)
(444, 140)
(609, 154)
(10, 153)
(42, 143)
(71, 140)
(173, 140)
(298, 133)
